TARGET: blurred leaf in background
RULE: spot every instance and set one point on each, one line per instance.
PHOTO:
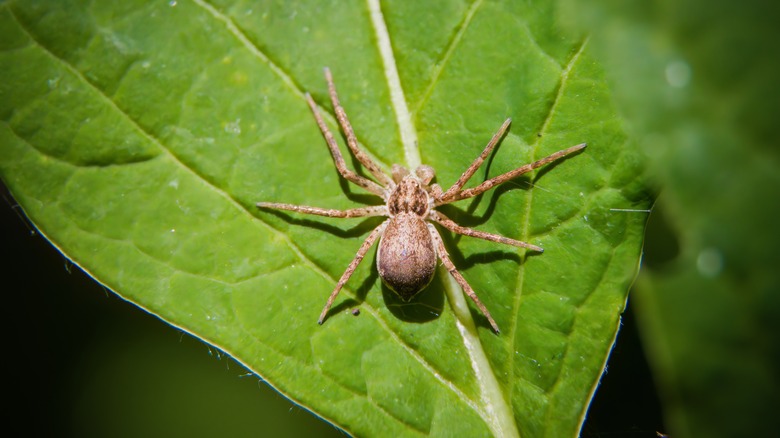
(698, 83)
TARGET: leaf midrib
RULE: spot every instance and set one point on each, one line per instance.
(497, 412)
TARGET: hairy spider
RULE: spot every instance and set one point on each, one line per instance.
(408, 245)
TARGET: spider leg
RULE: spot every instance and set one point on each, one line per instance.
(341, 115)
(489, 184)
(349, 175)
(445, 259)
(477, 162)
(375, 210)
(352, 266)
(452, 226)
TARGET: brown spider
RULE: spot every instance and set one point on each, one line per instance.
(409, 246)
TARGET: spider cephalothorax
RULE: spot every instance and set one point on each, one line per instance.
(409, 243)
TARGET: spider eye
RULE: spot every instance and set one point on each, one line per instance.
(425, 173)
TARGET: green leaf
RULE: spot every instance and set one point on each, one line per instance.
(138, 138)
(699, 82)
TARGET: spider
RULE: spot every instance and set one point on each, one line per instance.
(409, 244)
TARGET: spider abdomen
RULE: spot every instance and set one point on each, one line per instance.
(406, 259)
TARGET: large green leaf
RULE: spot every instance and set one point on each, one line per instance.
(138, 137)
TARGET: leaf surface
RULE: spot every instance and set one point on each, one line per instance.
(138, 137)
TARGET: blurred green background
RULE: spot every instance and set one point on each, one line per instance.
(697, 82)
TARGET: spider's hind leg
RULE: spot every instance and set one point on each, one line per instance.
(445, 259)
(352, 266)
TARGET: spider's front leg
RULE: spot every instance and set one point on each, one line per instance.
(338, 159)
(489, 184)
(352, 142)
(469, 172)
(376, 210)
(456, 192)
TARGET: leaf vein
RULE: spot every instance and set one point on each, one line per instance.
(453, 43)
(275, 66)
(242, 37)
(529, 200)
(252, 47)
(566, 352)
